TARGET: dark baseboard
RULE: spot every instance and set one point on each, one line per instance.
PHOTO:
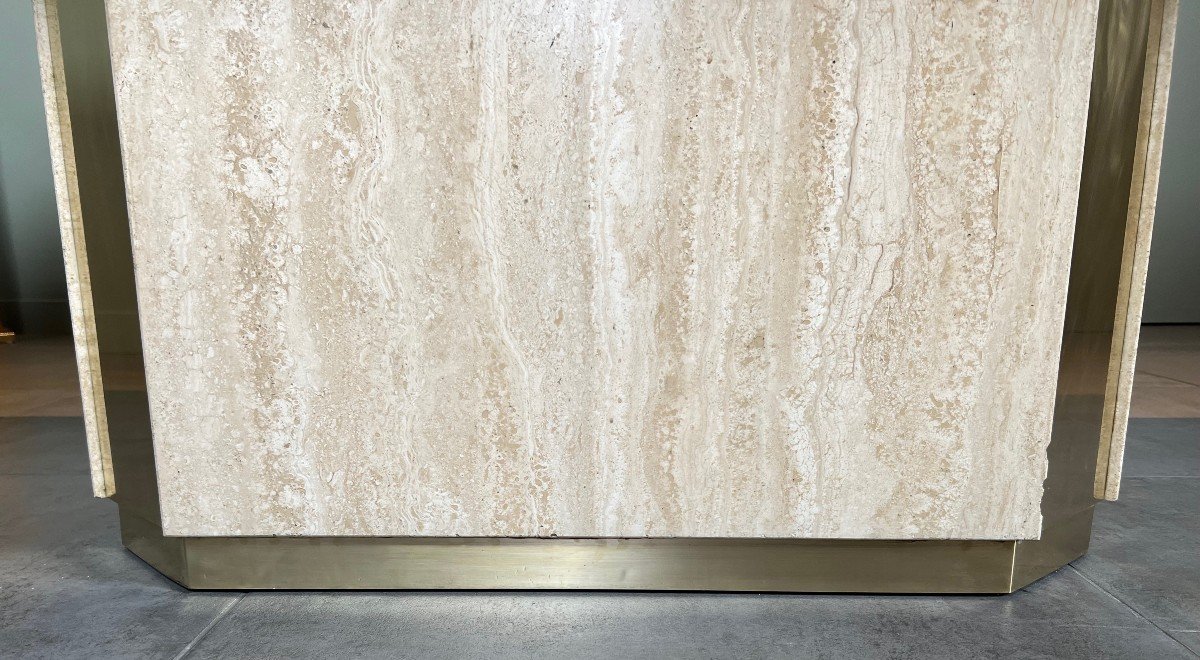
(40, 317)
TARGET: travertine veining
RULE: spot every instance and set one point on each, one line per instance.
(602, 268)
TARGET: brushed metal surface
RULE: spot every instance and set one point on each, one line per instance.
(645, 564)
(666, 564)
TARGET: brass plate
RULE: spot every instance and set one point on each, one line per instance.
(644, 564)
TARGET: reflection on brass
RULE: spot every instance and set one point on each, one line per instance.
(652, 564)
(668, 564)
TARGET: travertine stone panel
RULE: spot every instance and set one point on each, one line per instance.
(1138, 213)
(784, 269)
(70, 225)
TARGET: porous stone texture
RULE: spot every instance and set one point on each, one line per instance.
(588, 268)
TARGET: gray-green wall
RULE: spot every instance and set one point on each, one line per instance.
(1173, 284)
(33, 290)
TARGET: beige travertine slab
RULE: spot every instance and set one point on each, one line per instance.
(1143, 195)
(78, 275)
(786, 269)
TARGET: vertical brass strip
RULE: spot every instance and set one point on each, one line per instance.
(1143, 194)
(75, 255)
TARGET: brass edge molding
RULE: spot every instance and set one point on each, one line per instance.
(71, 228)
(1143, 195)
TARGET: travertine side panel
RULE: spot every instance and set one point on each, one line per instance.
(1151, 113)
(786, 269)
(70, 225)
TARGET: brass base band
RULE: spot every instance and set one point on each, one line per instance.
(758, 565)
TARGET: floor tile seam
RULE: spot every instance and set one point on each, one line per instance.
(1131, 608)
(186, 650)
(1106, 626)
(1171, 378)
(1180, 641)
(1161, 476)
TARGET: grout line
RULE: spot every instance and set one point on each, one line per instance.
(1132, 626)
(1162, 476)
(1170, 632)
(220, 615)
(1151, 373)
(1131, 609)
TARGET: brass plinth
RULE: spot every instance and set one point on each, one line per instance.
(641, 564)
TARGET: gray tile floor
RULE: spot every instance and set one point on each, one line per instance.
(69, 590)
